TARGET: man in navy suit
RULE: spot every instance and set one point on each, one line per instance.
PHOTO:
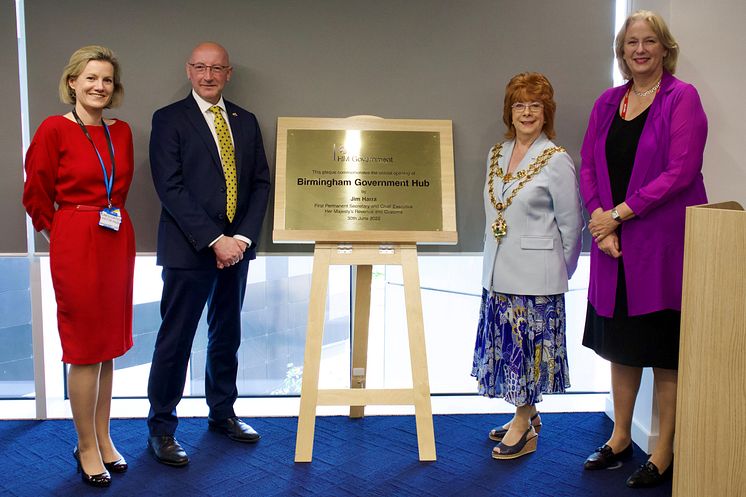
(212, 178)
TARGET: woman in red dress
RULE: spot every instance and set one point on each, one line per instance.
(78, 171)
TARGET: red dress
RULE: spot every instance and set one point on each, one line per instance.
(92, 267)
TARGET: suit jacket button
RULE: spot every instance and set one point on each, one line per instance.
(221, 216)
(222, 189)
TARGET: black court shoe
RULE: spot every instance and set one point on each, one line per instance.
(118, 466)
(99, 480)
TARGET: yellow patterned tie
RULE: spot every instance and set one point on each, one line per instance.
(228, 159)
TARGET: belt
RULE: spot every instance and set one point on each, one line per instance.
(68, 207)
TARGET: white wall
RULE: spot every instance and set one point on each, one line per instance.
(663, 7)
(712, 39)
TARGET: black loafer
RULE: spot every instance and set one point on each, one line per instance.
(604, 457)
(235, 429)
(167, 450)
(648, 475)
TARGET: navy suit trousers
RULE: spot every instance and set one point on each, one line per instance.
(185, 293)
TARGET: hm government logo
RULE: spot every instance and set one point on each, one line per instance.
(340, 154)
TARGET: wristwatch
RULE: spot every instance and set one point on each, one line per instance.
(615, 216)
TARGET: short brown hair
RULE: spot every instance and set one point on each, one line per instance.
(78, 60)
(529, 87)
(659, 27)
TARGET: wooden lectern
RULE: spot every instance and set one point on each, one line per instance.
(710, 447)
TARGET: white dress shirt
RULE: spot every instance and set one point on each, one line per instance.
(204, 107)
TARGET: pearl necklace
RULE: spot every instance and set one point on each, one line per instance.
(646, 92)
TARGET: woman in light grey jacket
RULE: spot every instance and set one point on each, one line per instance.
(531, 247)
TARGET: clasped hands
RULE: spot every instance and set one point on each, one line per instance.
(603, 230)
(228, 251)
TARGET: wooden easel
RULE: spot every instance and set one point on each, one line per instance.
(310, 222)
(364, 256)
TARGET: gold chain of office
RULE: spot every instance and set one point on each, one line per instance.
(500, 227)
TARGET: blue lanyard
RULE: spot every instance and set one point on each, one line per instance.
(108, 180)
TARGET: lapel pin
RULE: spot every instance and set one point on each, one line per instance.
(234, 114)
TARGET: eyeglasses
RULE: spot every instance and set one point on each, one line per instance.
(217, 69)
(533, 107)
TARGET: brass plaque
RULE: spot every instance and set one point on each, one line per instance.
(355, 180)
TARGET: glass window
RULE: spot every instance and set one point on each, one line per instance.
(16, 352)
(274, 317)
(274, 329)
(451, 295)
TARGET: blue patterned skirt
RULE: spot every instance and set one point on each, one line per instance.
(520, 351)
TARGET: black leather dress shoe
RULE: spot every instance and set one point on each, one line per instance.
(167, 450)
(235, 429)
(604, 457)
(648, 475)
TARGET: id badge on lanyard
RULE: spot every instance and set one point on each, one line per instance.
(109, 217)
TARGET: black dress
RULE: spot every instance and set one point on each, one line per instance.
(644, 340)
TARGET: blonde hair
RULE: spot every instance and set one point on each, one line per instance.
(659, 27)
(78, 60)
(527, 87)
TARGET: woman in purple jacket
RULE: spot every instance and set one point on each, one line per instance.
(641, 167)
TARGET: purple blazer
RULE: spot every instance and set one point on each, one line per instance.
(666, 178)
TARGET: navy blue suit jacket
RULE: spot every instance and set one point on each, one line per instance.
(189, 180)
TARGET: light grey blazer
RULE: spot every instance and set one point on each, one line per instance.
(540, 251)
